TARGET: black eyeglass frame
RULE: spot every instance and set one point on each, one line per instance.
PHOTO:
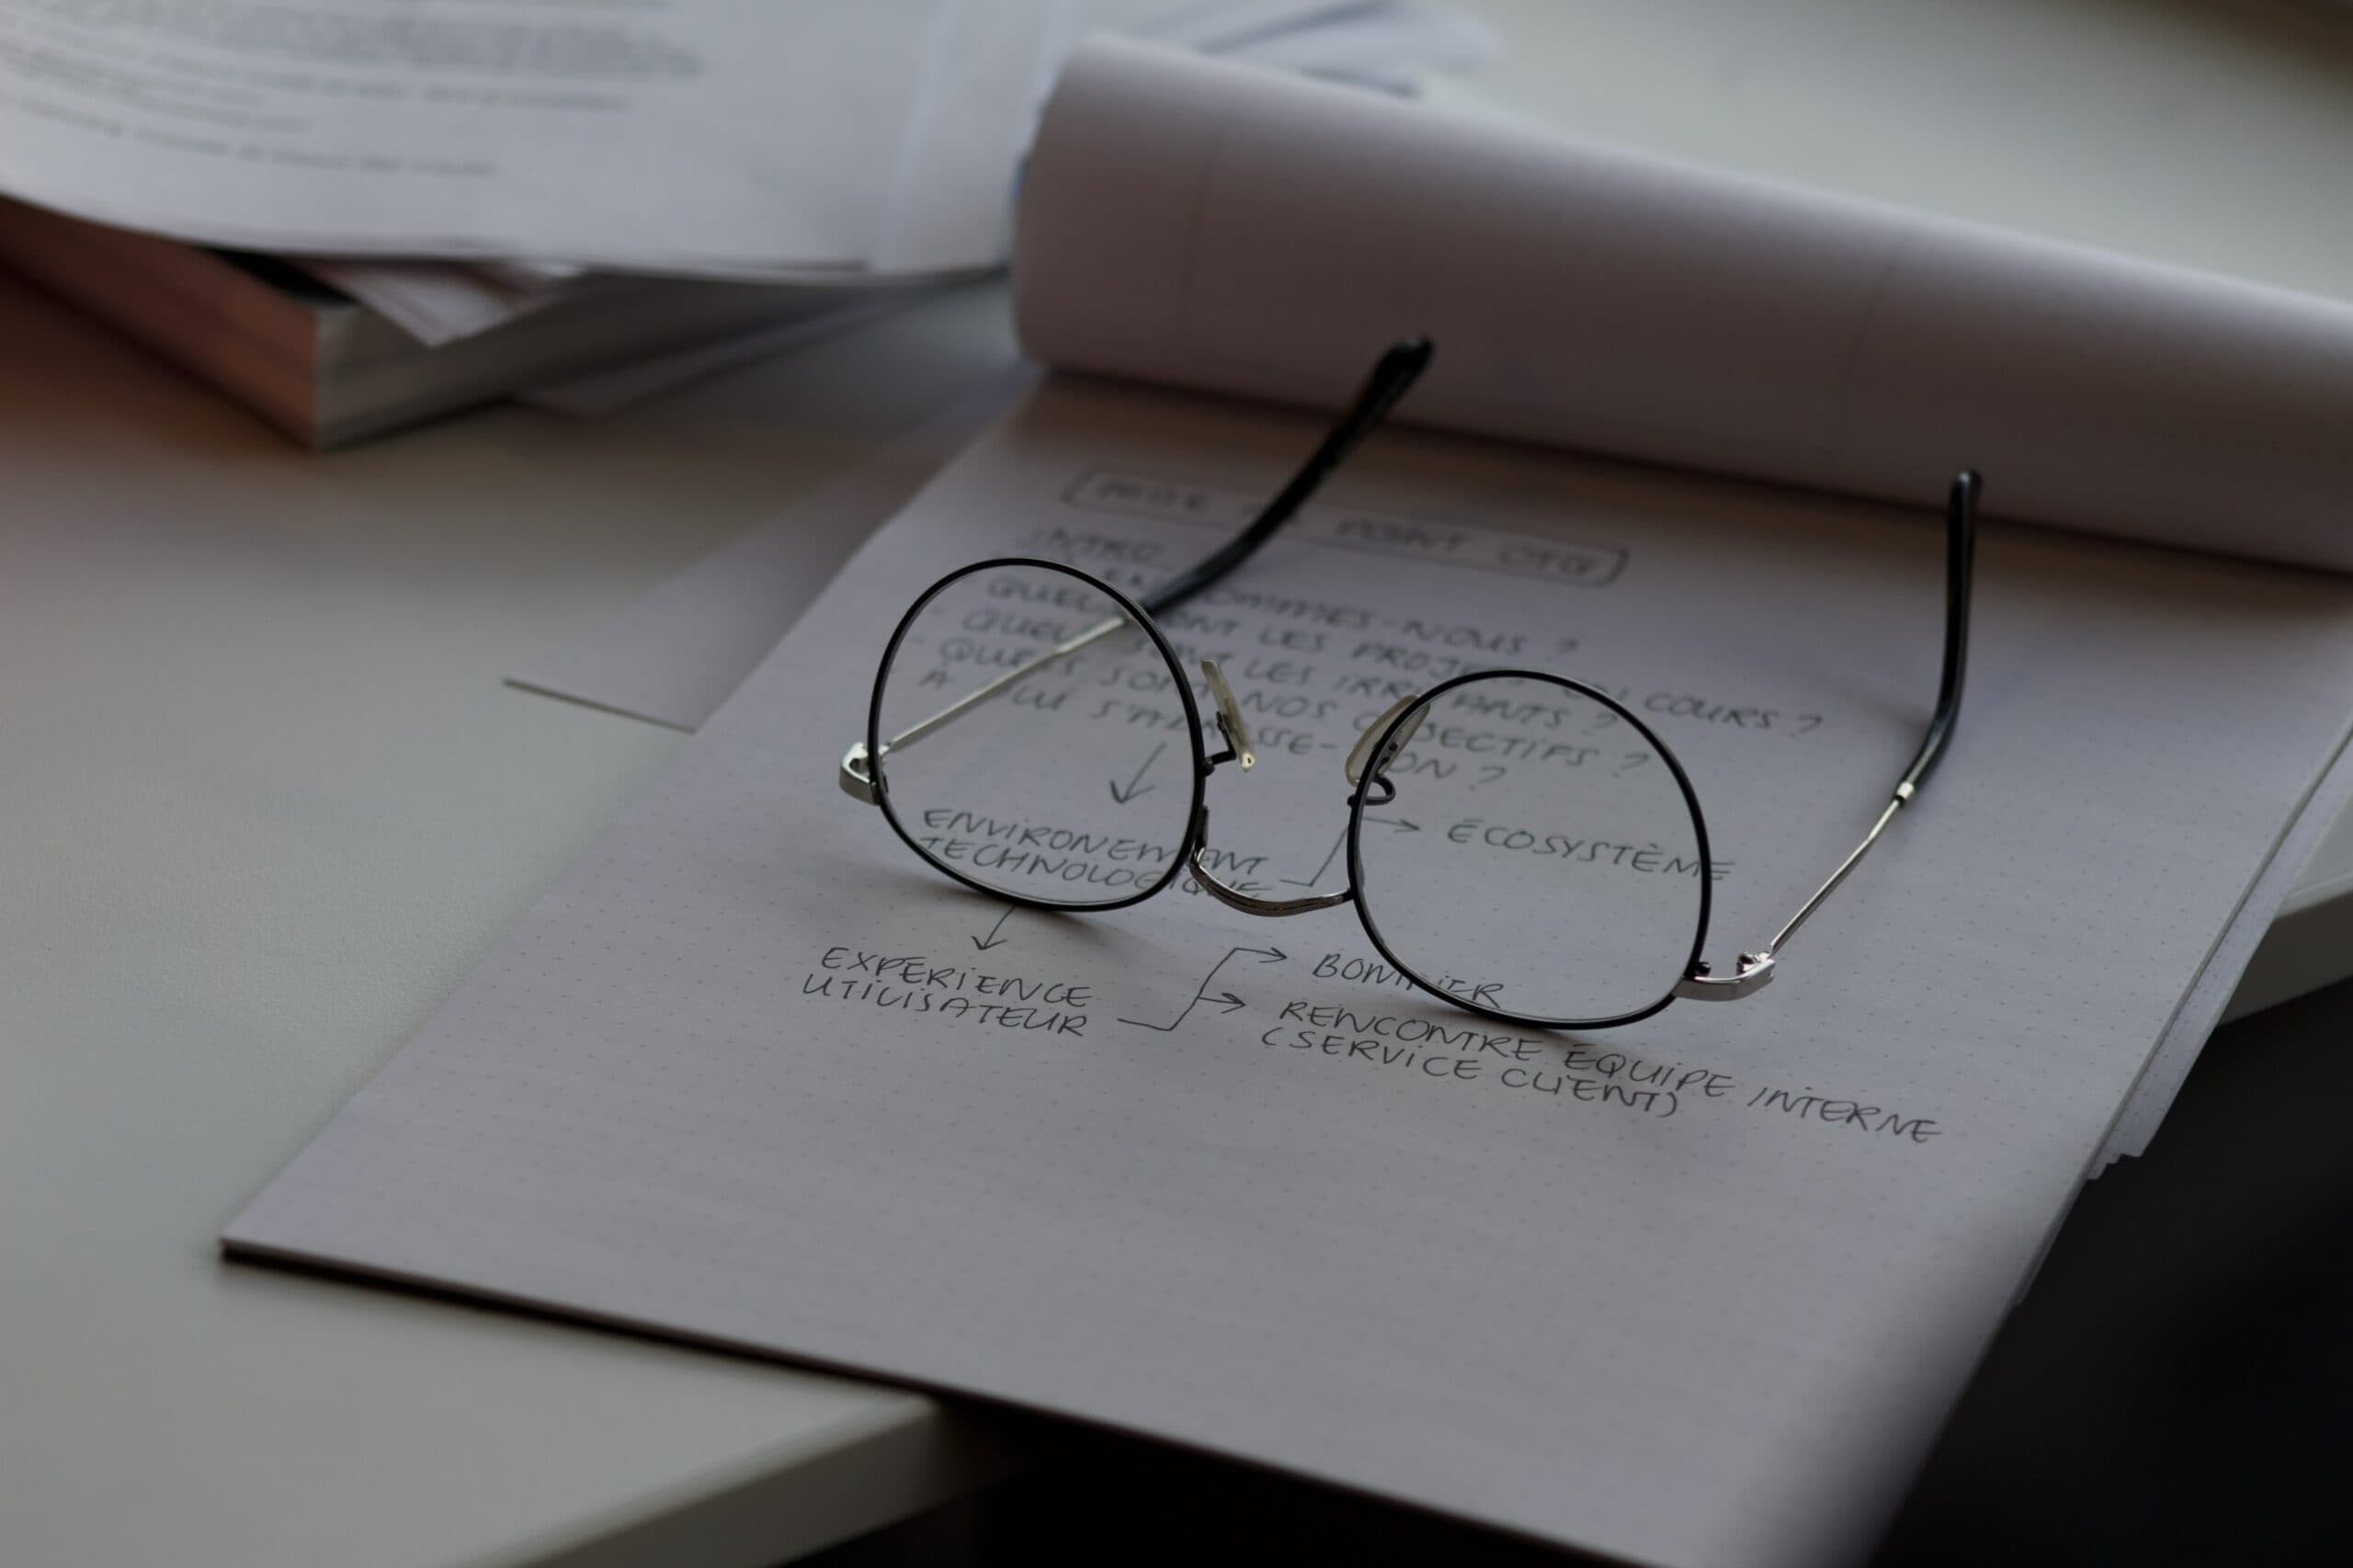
(1362, 798)
(865, 777)
(880, 782)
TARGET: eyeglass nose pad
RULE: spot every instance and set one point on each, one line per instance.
(1229, 715)
(1359, 763)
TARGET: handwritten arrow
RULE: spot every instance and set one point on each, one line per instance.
(1329, 856)
(1136, 786)
(993, 940)
(1225, 999)
(1400, 824)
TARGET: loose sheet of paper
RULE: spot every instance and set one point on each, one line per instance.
(1692, 1291)
(810, 142)
(692, 133)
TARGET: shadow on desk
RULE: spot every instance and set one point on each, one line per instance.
(2176, 1388)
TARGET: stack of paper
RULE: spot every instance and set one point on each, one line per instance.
(459, 171)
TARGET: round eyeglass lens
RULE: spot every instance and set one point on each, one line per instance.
(1541, 856)
(1036, 740)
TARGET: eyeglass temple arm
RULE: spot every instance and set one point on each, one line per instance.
(1392, 376)
(1961, 559)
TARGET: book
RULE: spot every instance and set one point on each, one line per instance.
(328, 369)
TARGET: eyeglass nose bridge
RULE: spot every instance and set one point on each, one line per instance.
(1236, 731)
(1364, 773)
(1233, 897)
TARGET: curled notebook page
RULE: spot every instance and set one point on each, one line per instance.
(1215, 225)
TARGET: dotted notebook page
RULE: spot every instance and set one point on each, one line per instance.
(1696, 1290)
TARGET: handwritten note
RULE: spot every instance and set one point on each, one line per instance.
(1695, 1290)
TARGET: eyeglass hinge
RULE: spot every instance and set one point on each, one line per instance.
(857, 776)
(1755, 973)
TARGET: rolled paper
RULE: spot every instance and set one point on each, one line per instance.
(1217, 225)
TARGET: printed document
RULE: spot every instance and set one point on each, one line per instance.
(683, 134)
(800, 140)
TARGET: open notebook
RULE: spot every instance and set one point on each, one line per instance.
(1694, 1291)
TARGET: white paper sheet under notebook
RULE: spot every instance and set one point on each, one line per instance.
(729, 1081)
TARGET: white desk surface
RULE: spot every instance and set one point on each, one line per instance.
(264, 800)
(264, 803)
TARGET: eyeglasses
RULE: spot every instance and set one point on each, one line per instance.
(1033, 734)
